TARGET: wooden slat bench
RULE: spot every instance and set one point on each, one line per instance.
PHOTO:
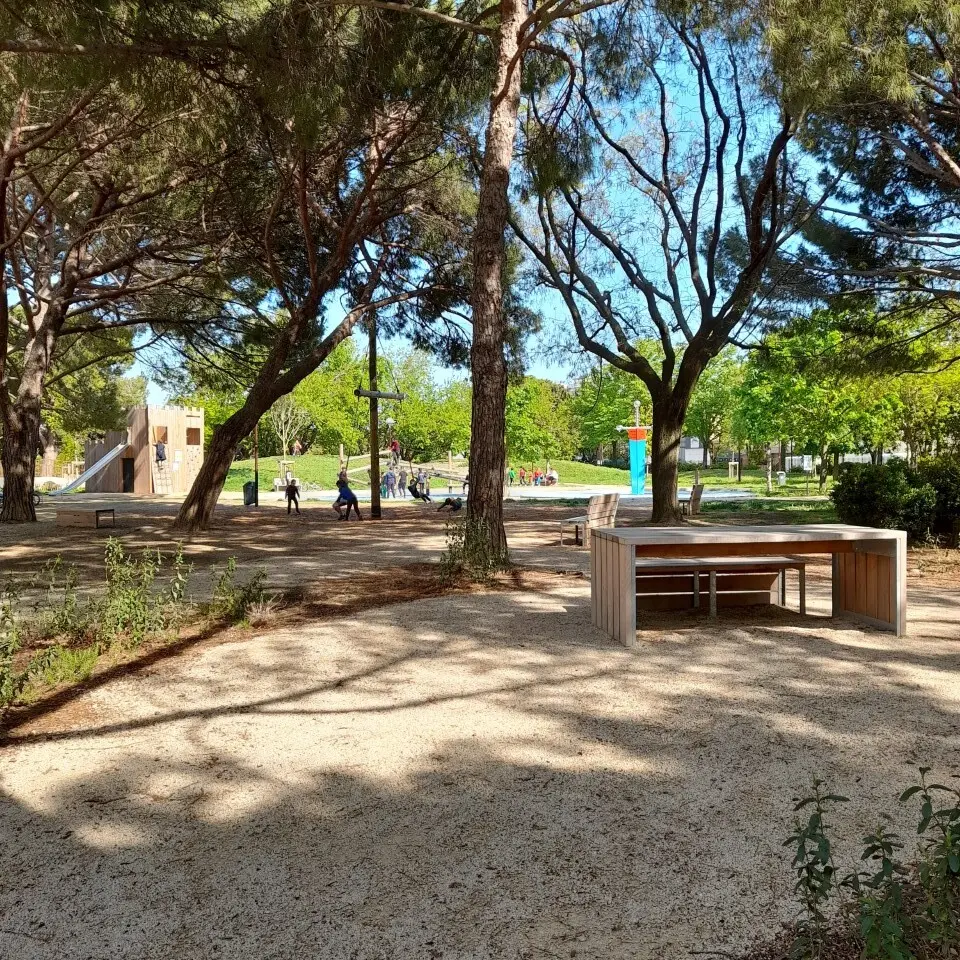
(86, 517)
(677, 584)
(691, 505)
(601, 512)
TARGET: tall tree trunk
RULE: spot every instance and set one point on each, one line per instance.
(21, 441)
(196, 511)
(706, 454)
(668, 416)
(488, 363)
(783, 455)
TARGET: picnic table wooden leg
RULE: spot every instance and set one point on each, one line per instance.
(696, 589)
(802, 571)
(627, 563)
(870, 583)
(713, 593)
(782, 584)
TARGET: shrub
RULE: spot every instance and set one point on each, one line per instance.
(12, 680)
(886, 496)
(231, 600)
(59, 611)
(894, 910)
(943, 475)
(74, 631)
(130, 608)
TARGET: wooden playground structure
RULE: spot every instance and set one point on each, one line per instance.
(126, 460)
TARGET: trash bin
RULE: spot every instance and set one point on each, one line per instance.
(781, 478)
(249, 494)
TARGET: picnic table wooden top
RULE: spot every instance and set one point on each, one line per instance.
(779, 533)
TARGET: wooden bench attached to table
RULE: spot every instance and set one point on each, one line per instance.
(86, 517)
(601, 512)
(665, 584)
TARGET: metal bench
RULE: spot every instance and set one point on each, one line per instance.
(601, 512)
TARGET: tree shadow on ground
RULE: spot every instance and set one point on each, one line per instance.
(490, 778)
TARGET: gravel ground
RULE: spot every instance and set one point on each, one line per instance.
(471, 776)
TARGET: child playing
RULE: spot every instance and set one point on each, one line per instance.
(416, 492)
(293, 496)
(346, 498)
(454, 503)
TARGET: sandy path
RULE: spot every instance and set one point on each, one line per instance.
(477, 776)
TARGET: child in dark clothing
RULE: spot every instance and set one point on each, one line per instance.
(293, 496)
(454, 503)
(417, 493)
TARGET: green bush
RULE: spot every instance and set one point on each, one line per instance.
(231, 600)
(889, 495)
(12, 680)
(72, 630)
(943, 475)
(894, 910)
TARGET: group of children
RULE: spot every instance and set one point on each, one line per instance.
(419, 489)
(394, 484)
(534, 477)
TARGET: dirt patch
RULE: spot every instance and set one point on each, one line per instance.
(300, 606)
(474, 776)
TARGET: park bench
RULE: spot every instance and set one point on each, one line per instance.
(280, 484)
(690, 506)
(86, 517)
(677, 584)
(601, 512)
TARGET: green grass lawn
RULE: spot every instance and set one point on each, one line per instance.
(322, 469)
(313, 468)
(769, 510)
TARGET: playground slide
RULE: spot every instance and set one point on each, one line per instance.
(104, 461)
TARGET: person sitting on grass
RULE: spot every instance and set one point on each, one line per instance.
(346, 498)
(454, 503)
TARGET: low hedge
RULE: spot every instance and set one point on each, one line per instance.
(924, 501)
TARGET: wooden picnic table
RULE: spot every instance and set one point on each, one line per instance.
(869, 566)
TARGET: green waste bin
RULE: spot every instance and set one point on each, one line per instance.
(249, 494)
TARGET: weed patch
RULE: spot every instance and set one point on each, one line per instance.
(59, 636)
(470, 553)
(887, 907)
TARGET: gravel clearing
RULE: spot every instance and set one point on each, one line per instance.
(471, 776)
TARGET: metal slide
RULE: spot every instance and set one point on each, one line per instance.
(104, 461)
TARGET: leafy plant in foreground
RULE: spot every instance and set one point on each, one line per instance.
(903, 911)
